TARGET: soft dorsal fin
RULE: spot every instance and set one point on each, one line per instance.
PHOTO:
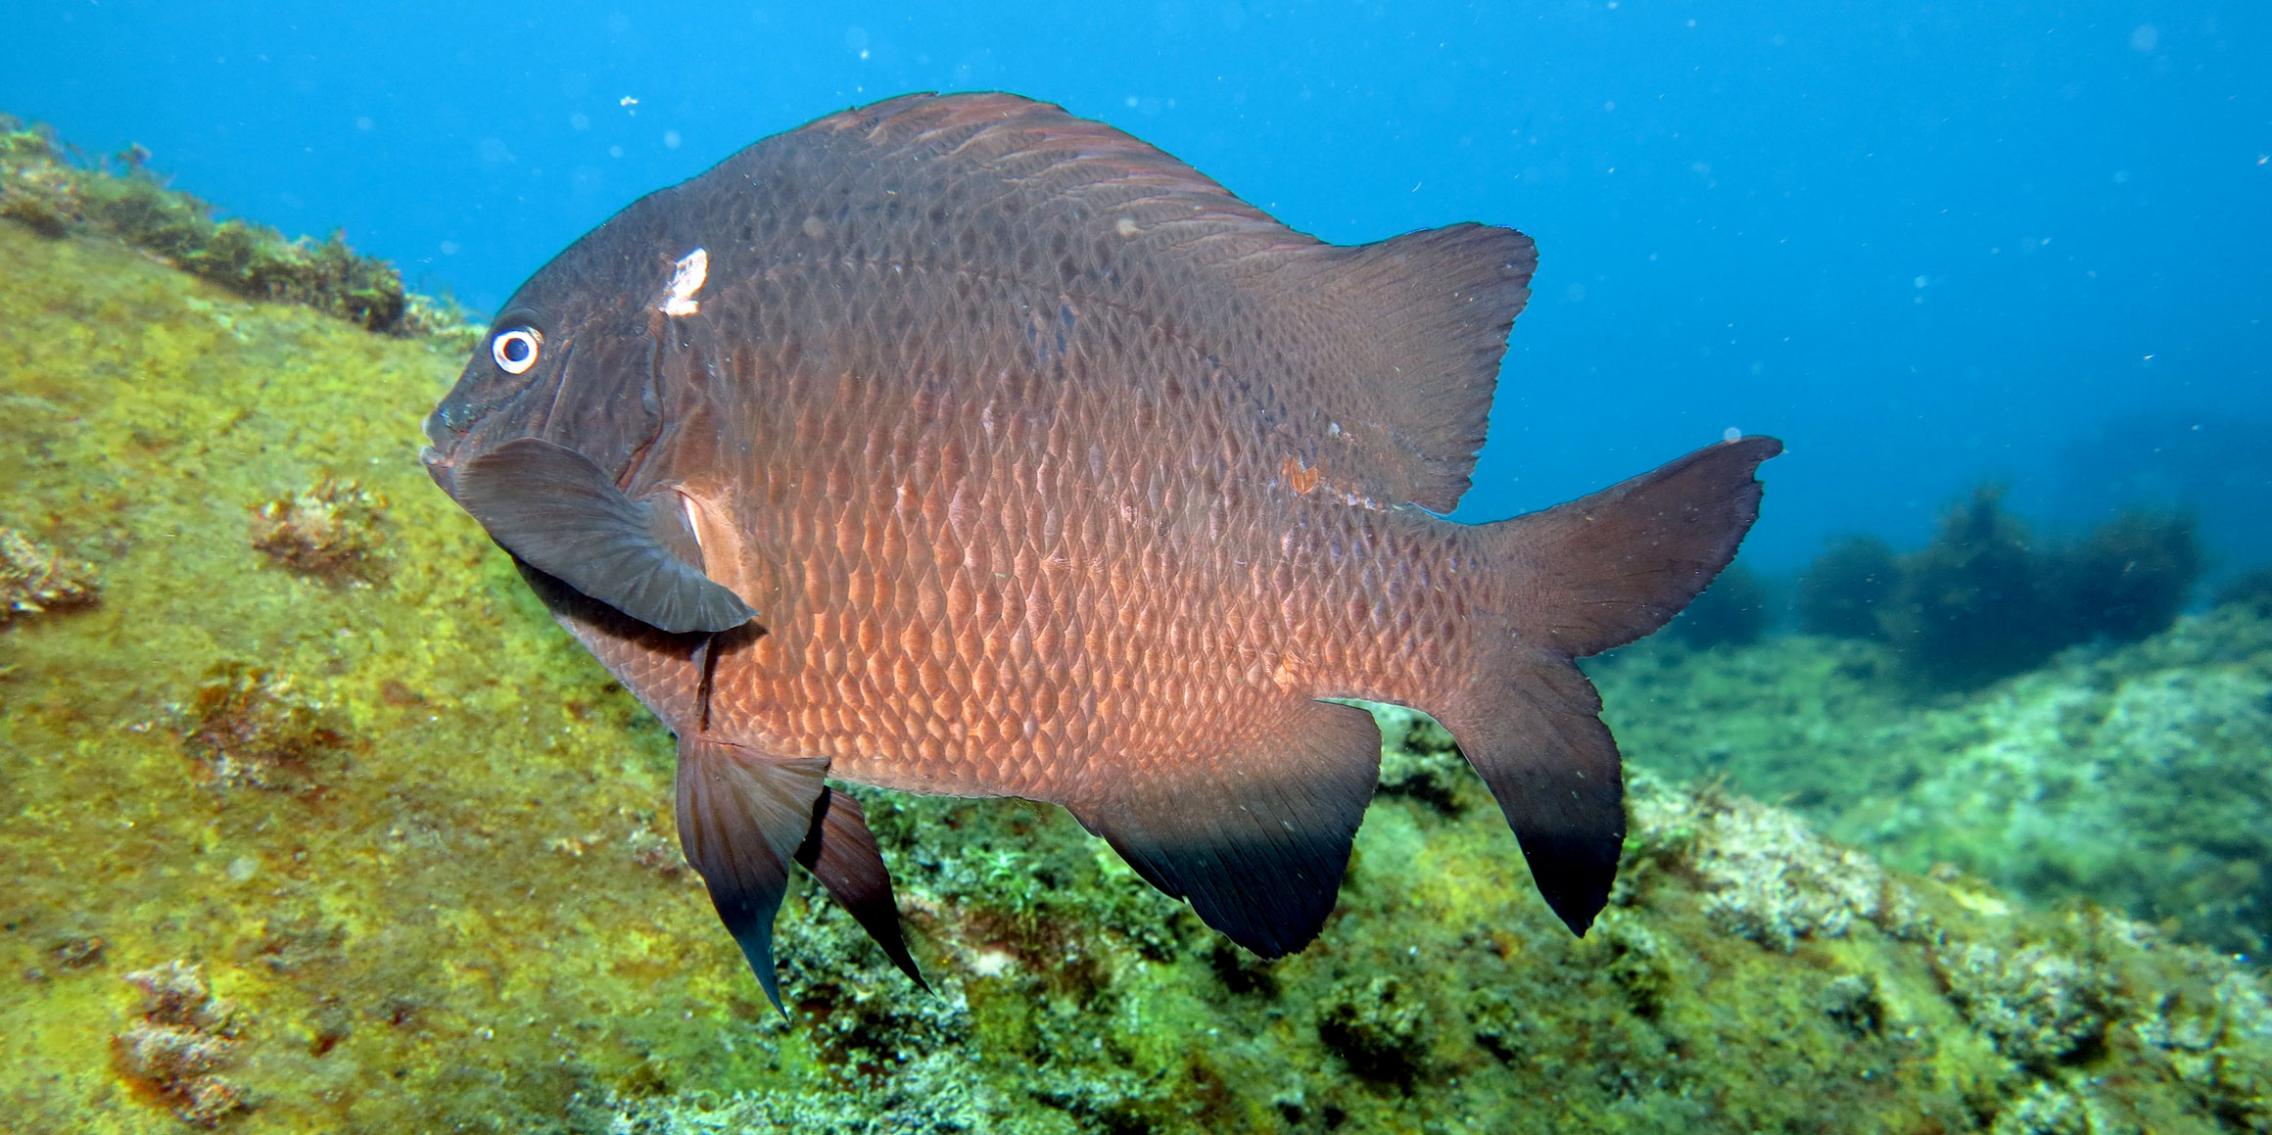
(1379, 361)
(1428, 315)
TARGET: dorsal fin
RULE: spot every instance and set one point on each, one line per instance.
(1378, 362)
(1429, 313)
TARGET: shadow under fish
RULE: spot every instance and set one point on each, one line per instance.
(958, 445)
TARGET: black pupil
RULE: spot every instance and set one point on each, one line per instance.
(516, 348)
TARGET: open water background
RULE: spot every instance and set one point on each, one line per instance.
(1926, 243)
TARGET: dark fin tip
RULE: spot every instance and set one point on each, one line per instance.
(841, 852)
(1258, 840)
(1532, 729)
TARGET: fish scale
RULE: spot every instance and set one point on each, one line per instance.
(957, 445)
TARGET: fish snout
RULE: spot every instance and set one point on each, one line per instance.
(443, 427)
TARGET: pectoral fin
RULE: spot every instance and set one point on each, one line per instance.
(557, 511)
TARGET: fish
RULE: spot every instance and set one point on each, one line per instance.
(958, 445)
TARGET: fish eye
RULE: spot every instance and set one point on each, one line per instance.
(515, 351)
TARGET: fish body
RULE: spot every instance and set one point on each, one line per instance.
(958, 445)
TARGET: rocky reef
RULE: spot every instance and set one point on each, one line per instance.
(2131, 776)
(53, 190)
(317, 823)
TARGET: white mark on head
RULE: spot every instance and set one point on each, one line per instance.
(1125, 226)
(687, 278)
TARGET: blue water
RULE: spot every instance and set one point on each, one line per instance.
(1927, 243)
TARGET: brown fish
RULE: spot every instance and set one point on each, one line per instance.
(959, 445)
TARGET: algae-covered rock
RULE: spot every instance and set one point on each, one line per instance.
(2133, 777)
(35, 580)
(464, 911)
(330, 530)
(47, 189)
(180, 1045)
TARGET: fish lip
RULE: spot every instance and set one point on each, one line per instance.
(440, 468)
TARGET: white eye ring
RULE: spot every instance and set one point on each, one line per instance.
(515, 351)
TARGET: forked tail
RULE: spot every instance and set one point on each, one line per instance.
(1582, 578)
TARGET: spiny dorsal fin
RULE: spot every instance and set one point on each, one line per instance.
(1397, 343)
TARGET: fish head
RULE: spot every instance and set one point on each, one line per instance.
(573, 360)
(564, 434)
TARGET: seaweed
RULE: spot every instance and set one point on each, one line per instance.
(47, 188)
(2128, 579)
(1377, 1027)
(1734, 611)
(1845, 590)
(2127, 775)
(1975, 605)
(1986, 600)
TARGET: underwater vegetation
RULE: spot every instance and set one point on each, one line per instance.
(1986, 599)
(1845, 589)
(316, 822)
(2129, 776)
(49, 189)
(1735, 611)
(2211, 458)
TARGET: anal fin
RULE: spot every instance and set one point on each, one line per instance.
(742, 815)
(1256, 836)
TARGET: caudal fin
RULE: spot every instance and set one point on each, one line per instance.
(1584, 577)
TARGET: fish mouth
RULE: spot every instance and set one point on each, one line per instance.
(439, 467)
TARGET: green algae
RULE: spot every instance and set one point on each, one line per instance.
(410, 850)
